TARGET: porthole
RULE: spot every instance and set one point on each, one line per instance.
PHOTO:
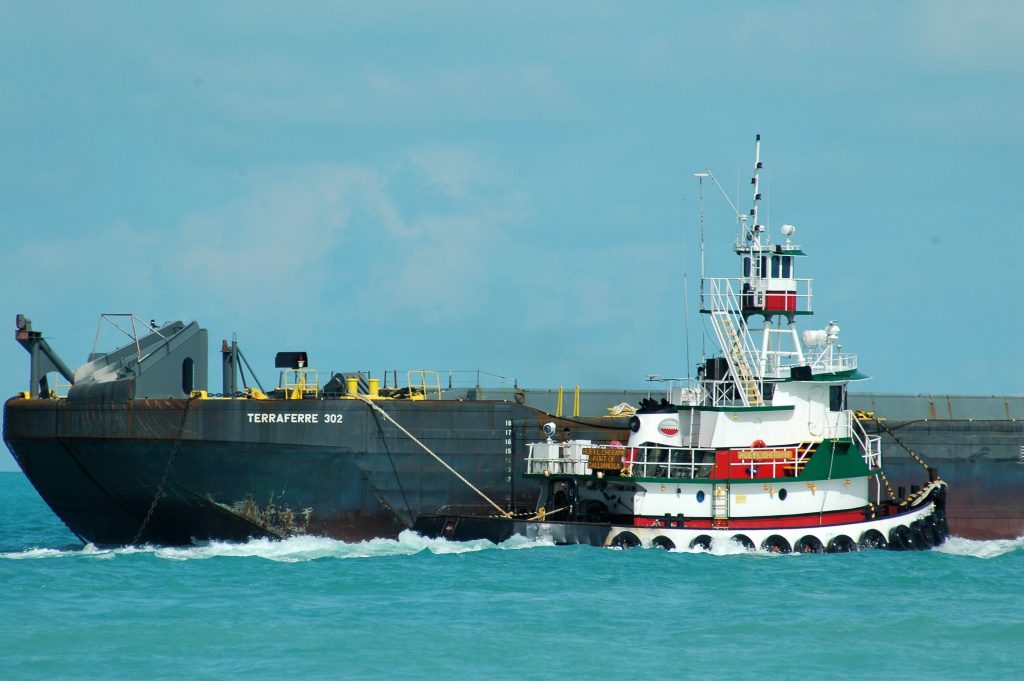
(700, 496)
(782, 494)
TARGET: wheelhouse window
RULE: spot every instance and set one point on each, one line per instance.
(837, 398)
(775, 267)
(746, 266)
(787, 266)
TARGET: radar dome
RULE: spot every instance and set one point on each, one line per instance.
(814, 337)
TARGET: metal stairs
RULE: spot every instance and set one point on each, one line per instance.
(750, 389)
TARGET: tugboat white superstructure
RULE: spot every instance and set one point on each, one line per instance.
(763, 451)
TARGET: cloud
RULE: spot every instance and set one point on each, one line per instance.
(456, 170)
(967, 36)
(445, 272)
(418, 236)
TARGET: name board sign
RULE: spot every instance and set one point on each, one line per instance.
(599, 459)
(766, 455)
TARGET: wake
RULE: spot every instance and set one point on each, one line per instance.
(306, 548)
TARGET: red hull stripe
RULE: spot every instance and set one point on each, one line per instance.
(813, 520)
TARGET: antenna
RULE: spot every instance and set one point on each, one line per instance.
(700, 189)
(686, 321)
(755, 181)
(700, 192)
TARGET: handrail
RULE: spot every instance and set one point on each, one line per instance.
(571, 458)
(684, 463)
(133, 334)
(870, 445)
(422, 385)
(803, 293)
(298, 383)
(735, 340)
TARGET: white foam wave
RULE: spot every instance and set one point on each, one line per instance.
(518, 541)
(304, 548)
(33, 553)
(990, 548)
(298, 549)
(292, 550)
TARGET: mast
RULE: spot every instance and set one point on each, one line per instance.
(755, 181)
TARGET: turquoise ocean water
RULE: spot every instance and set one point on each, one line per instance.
(310, 608)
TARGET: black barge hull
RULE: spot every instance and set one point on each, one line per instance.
(172, 471)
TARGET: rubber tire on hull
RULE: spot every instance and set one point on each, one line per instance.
(927, 535)
(777, 544)
(900, 539)
(841, 544)
(743, 540)
(936, 524)
(944, 523)
(625, 540)
(702, 542)
(809, 544)
(917, 537)
(661, 542)
(872, 539)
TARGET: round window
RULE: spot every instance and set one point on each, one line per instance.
(782, 495)
(700, 496)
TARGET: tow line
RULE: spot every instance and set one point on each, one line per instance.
(368, 401)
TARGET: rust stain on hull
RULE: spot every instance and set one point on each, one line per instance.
(281, 521)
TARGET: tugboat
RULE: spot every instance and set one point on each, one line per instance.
(762, 451)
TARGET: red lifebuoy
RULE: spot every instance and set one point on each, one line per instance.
(758, 443)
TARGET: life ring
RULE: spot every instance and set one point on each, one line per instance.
(758, 443)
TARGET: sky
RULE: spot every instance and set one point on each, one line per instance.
(508, 187)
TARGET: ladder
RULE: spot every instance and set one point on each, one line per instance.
(750, 390)
(720, 506)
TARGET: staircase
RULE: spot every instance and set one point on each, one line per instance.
(750, 389)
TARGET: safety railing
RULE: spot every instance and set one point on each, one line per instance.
(734, 338)
(828, 360)
(300, 383)
(870, 445)
(577, 458)
(753, 297)
(774, 462)
(427, 381)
